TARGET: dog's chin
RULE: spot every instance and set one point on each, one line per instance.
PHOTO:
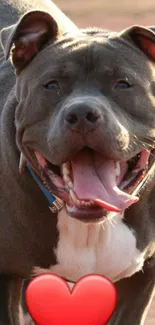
(90, 185)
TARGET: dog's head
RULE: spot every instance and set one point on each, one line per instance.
(86, 110)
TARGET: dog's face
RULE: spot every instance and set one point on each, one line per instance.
(86, 113)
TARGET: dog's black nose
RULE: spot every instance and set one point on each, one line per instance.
(82, 116)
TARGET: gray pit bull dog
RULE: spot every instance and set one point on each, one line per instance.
(84, 109)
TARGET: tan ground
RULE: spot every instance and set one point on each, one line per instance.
(114, 15)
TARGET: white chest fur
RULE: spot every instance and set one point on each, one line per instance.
(108, 249)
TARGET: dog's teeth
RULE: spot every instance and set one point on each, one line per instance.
(66, 168)
(66, 178)
(88, 204)
(118, 168)
(65, 171)
(78, 203)
(73, 196)
(22, 163)
(70, 185)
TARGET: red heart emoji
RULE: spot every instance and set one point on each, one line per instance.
(50, 301)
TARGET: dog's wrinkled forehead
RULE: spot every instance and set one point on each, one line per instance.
(79, 52)
(89, 55)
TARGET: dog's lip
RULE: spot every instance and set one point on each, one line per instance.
(93, 214)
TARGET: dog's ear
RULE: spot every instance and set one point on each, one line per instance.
(25, 39)
(142, 37)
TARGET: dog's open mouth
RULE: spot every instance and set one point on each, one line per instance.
(90, 185)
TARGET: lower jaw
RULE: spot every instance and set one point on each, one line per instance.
(95, 214)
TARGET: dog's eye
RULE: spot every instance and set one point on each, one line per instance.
(52, 85)
(122, 84)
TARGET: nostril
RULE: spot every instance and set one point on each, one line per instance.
(92, 116)
(71, 118)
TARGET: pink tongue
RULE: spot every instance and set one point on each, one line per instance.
(95, 179)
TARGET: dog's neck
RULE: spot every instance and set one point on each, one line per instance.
(107, 248)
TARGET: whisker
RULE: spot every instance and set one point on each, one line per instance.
(143, 142)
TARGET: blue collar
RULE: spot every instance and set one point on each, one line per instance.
(55, 204)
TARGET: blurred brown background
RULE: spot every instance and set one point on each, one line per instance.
(113, 15)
